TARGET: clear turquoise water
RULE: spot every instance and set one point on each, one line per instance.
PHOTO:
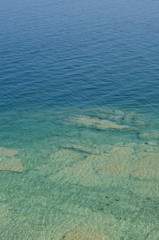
(82, 169)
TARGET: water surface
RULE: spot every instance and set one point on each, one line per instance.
(79, 132)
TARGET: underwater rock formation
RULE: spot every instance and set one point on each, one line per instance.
(7, 152)
(149, 135)
(97, 123)
(8, 160)
(117, 115)
(85, 234)
(80, 173)
(65, 156)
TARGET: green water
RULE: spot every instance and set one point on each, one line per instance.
(79, 120)
(77, 176)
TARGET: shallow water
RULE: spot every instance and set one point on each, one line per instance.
(79, 129)
(78, 177)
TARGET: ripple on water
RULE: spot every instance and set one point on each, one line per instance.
(81, 183)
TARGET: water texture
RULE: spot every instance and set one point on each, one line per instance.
(79, 120)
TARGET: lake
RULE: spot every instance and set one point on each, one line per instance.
(79, 120)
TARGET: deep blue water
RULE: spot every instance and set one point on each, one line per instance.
(79, 53)
(79, 119)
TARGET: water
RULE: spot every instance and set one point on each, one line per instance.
(79, 132)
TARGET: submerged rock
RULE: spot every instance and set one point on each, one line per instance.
(122, 151)
(116, 161)
(8, 160)
(149, 135)
(98, 123)
(148, 158)
(7, 152)
(114, 168)
(65, 156)
(5, 219)
(117, 115)
(146, 165)
(107, 113)
(4, 212)
(146, 172)
(81, 148)
(81, 173)
(151, 143)
(115, 154)
(13, 164)
(85, 234)
(130, 118)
